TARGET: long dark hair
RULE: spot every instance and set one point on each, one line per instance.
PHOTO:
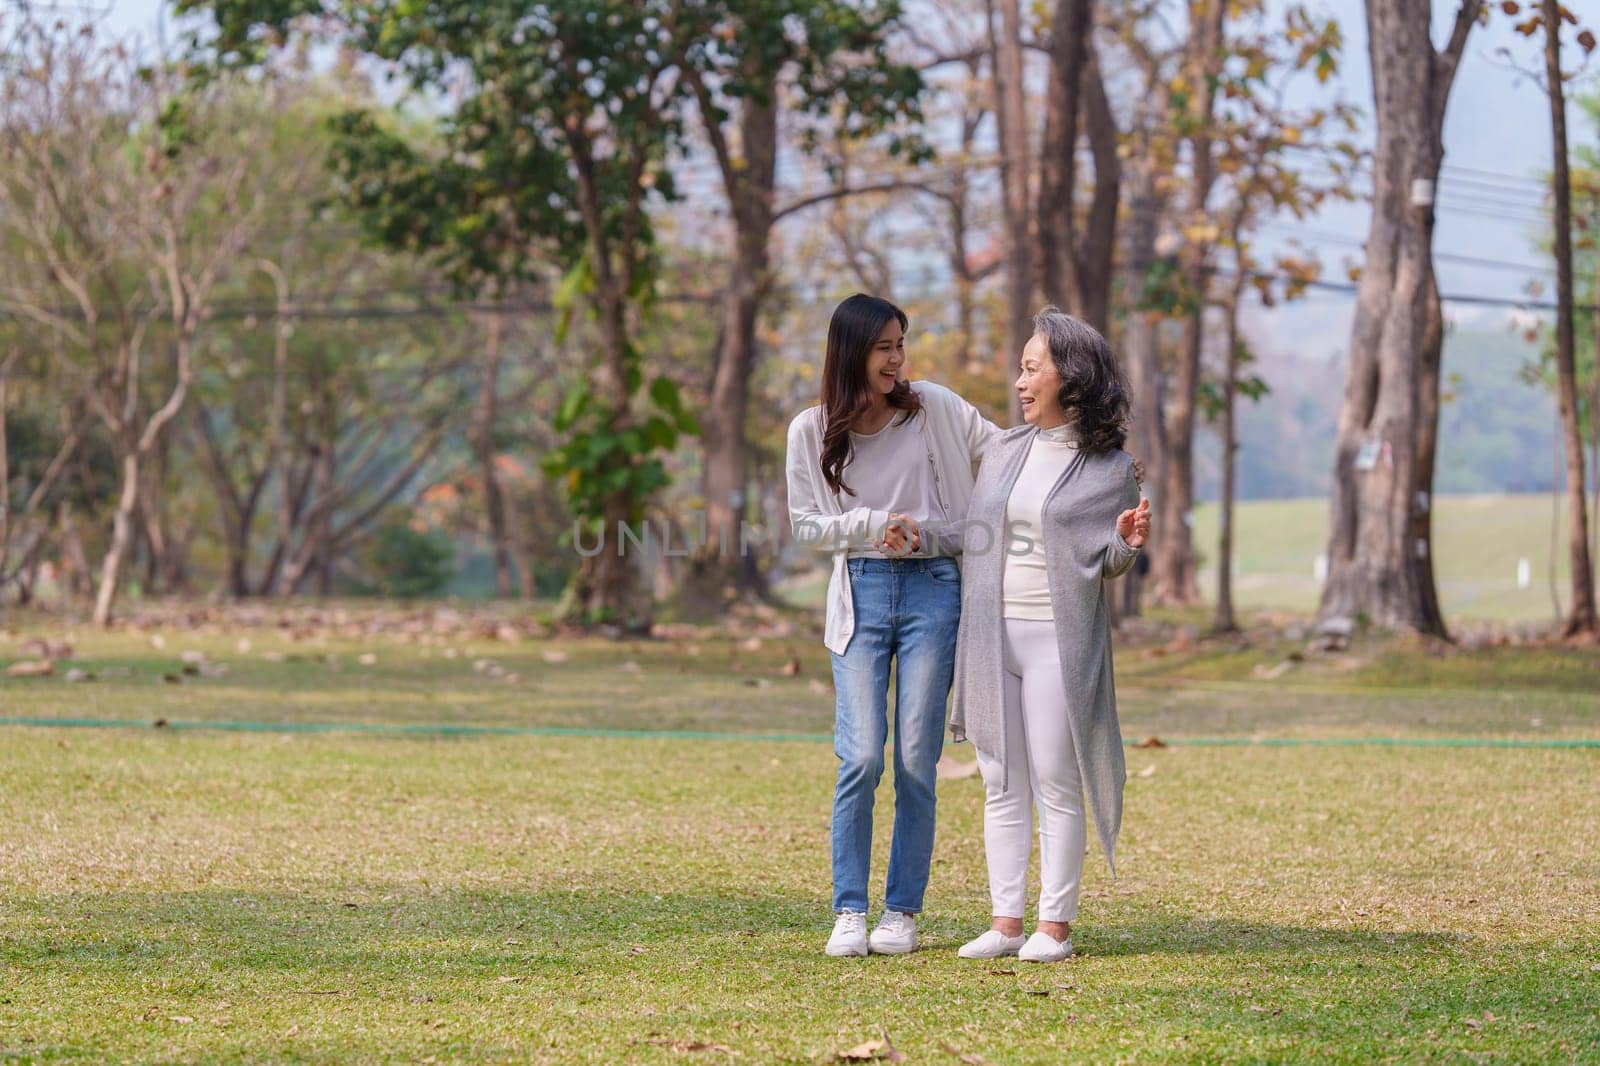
(852, 332)
(1093, 394)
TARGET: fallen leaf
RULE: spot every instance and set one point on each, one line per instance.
(790, 668)
(1151, 742)
(181, 1019)
(367, 658)
(549, 656)
(970, 1058)
(872, 1050)
(159, 723)
(31, 668)
(1148, 771)
(77, 675)
(1004, 973)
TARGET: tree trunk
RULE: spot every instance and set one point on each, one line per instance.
(604, 588)
(1173, 569)
(1096, 252)
(720, 565)
(483, 443)
(5, 466)
(1140, 357)
(1223, 621)
(1058, 153)
(1016, 200)
(1582, 618)
(122, 534)
(1380, 552)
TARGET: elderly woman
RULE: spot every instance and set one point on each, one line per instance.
(1059, 501)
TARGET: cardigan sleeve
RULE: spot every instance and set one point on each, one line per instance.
(811, 526)
(980, 431)
(1120, 555)
(976, 432)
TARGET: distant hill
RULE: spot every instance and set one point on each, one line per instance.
(1496, 431)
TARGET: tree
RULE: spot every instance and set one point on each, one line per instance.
(1380, 546)
(574, 106)
(1172, 563)
(1016, 168)
(759, 59)
(1076, 259)
(129, 196)
(1263, 146)
(1582, 618)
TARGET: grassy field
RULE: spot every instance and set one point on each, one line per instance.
(659, 893)
(1478, 541)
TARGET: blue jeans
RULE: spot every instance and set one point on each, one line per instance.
(906, 611)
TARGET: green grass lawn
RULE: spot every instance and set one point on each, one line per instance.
(169, 894)
(1477, 543)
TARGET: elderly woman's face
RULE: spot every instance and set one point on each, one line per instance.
(1039, 385)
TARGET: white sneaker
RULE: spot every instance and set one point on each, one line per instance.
(849, 935)
(991, 945)
(1042, 947)
(896, 934)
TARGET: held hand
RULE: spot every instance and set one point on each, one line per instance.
(901, 536)
(1134, 526)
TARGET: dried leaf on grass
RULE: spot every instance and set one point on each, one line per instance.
(871, 1051)
(971, 1058)
(31, 668)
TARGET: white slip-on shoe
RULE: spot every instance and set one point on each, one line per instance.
(849, 935)
(991, 945)
(1042, 947)
(896, 934)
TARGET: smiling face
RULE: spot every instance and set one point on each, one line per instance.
(887, 357)
(1039, 385)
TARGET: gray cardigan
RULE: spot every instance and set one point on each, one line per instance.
(1082, 549)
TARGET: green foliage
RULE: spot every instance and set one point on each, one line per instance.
(1166, 290)
(406, 563)
(602, 455)
(479, 202)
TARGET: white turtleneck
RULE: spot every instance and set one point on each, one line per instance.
(1025, 586)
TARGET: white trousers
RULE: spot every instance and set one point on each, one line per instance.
(1043, 764)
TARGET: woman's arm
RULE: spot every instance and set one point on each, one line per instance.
(979, 430)
(1131, 531)
(811, 526)
(973, 430)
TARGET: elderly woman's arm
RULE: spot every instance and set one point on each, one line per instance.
(1131, 533)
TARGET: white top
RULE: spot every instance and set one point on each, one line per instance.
(952, 430)
(890, 472)
(1025, 585)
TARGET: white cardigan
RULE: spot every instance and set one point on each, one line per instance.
(955, 436)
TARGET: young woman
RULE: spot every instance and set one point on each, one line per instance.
(1033, 669)
(880, 475)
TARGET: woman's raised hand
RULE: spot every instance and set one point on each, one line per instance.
(1134, 526)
